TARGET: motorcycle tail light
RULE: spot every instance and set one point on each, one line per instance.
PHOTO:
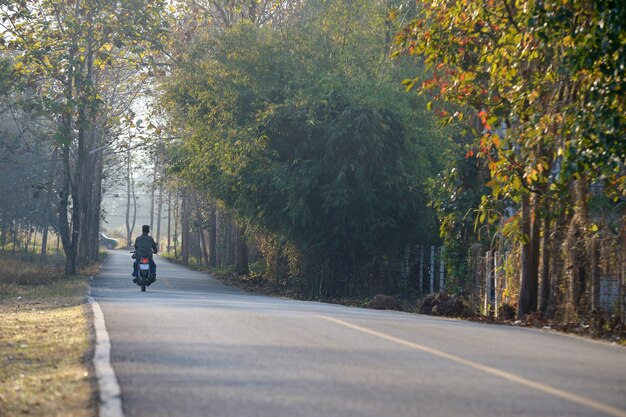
(144, 261)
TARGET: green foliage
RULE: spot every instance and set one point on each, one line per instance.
(590, 131)
(24, 168)
(544, 85)
(304, 135)
(61, 52)
(333, 176)
(557, 87)
(455, 194)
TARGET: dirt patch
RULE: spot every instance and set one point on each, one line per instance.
(384, 302)
(258, 285)
(443, 304)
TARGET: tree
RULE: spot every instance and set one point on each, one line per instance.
(226, 13)
(297, 133)
(65, 45)
(535, 69)
(27, 167)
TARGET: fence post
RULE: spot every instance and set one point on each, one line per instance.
(406, 265)
(497, 283)
(622, 280)
(488, 285)
(594, 275)
(431, 289)
(441, 270)
(477, 268)
(421, 269)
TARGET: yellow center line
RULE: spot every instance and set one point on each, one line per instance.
(610, 410)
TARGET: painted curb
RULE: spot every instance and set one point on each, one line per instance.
(108, 388)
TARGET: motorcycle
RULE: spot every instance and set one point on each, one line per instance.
(143, 273)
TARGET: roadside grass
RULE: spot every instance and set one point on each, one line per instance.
(45, 342)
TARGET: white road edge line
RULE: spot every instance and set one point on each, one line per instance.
(566, 395)
(108, 388)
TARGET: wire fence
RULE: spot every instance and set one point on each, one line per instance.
(578, 283)
(583, 285)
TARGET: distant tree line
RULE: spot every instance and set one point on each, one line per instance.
(291, 146)
(70, 63)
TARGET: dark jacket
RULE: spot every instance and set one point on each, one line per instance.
(145, 246)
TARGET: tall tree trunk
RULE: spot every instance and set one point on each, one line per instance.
(83, 174)
(184, 223)
(535, 242)
(212, 234)
(85, 182)
(130, 195)
(4, 225)
(46, 224)
(95, 212)
(70, 227)
(128, 181)
(219, 248)
(199, 243)
(29, 232)
(169, 221)
(77, 203)
(3, 234)
(14, 240)
(575, 253)
(229, 228)
(34, 248)
(176, 216)
(66, 124)
(92, 184)
(63, 212)
(202, 241)
(528, 291)
(134, 196)
(546, 283)
(152, 192)
(159, 213)
(241, 251)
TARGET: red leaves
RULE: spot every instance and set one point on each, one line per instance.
(429, 83)
(483, 119)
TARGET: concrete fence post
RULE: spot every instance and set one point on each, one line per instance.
(441, 270)
(488, 282)
(431, 289)
(421, 268)
(497, 283)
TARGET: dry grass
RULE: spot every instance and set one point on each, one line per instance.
(45, 349)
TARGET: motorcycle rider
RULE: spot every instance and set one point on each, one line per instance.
(145, 246)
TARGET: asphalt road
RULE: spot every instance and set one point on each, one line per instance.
(190, 346)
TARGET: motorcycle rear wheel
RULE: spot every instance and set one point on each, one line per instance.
(143, 288)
